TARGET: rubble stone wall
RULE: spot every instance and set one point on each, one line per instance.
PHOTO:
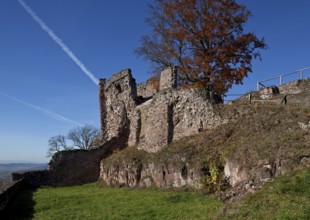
(169, 115)
(9, 193)
(173, 114)
(118, 103)
(168, 78)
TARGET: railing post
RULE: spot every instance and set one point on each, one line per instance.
(301, 74)
(250, 98)
(284, 100)
(280, 80)
(257, 86)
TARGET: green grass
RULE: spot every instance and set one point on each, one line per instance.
(287, 197)
(95, 202)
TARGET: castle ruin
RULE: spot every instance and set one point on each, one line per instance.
(153, 119)
(142, 116)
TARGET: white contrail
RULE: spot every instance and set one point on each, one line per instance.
(59, 42)
(43, 110)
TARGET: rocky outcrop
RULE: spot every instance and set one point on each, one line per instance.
(137, 168)
(291, 87)
(147, 175)
(262, 171)
(267, 93)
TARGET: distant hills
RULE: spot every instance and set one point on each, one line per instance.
(7, 168)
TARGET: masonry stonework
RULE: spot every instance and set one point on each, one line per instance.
(169, 115)
(147, 122)
(118, 106)
(168, 78)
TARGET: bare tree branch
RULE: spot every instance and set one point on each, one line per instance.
(84, 137)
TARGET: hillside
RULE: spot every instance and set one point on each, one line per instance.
(260, 141)
(6, 169)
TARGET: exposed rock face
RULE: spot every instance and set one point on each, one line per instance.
(137, 168)
(146, 175)
(239, 172)
(294, 87)
(291, 87)
(268, 92)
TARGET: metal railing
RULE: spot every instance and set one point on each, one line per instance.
(300, 72)
(278, 99)
(233, 97)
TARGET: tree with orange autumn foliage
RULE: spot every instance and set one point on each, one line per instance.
(204, 39)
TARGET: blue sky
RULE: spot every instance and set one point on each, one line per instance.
(39, 83)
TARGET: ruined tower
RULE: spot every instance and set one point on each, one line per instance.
(118, 100)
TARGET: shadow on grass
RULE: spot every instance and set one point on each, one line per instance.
(21, 207)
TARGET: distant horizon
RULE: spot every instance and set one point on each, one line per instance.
(20, 162)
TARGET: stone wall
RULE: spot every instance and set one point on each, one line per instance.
(33, 178)
(76, 167)
(168, 115)
(168, 78)
(72, 167)
(148, 89)
(118, 101)
(102, 106)
(174, 114)
(9, 193)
